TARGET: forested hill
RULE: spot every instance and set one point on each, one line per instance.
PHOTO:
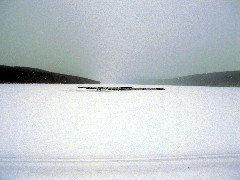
(9, 74)
(217, 79)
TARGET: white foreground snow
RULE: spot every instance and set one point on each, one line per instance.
(58, 131)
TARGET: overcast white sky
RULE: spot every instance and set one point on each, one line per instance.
(121, 41)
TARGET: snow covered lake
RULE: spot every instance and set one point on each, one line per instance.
(59, 131)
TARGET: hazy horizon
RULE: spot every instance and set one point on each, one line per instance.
(121, 41)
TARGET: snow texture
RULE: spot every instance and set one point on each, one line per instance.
(59, 131)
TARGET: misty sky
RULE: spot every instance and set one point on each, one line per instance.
(121, 41)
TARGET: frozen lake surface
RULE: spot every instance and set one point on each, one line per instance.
(59, 131)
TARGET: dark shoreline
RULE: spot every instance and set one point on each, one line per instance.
(27, 75)
(215, 79)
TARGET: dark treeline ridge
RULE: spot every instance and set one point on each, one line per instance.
(216, 79)
(16, 74)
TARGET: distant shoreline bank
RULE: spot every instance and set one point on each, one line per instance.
(215, 79)
(27, 75)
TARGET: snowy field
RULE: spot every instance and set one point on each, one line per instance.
(61, 132)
